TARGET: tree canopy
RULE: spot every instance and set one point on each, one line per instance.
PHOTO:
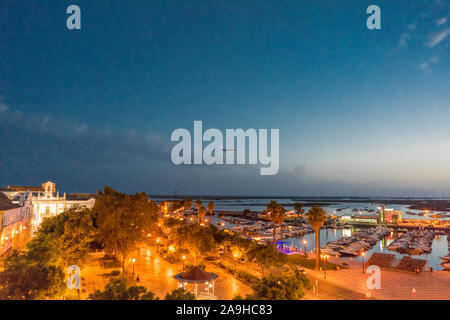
(118, 289)
(124, 221)
(289, 286)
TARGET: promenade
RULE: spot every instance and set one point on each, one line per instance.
(156, 274)
(394, 285)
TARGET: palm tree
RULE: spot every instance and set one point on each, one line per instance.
(298, 207)
(198, 204)
(188, 205)
(281, 215)
(316, 218)
(272, 207)
(202, 213)
(211, 209)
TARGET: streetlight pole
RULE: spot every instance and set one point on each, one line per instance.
(363, 254)
(304, 247)
(134, 260)
(324, 258)
(184, 258)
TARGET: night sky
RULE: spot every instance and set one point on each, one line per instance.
(360, 112)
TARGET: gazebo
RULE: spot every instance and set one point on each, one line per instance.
(198, 276)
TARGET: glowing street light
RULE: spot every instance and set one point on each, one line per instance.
(157, 245)
(133, 260)
(235, 259)
(184, 258)
(304, 246)
(324, 257)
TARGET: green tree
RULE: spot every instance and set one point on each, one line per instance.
(180, 294)
(188, 205)
(198, 205)
(64, 239)
(211, 210)
(179, 232)
(281, 216)
(79, 232)
(202, 214)
(200, 242)
(266, 256)
(124, 221)
(298, 208)
(273, 209)
(290, 286)
(316, 218)
(24, 278)
(118, 289)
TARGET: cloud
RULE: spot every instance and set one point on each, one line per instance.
(3, 108)
(82, 128)
(438, 37)
(424, 65)
(403, 39)
(411, 26)
(441, 21)
(101, 143)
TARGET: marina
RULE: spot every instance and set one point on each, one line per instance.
(344, 242)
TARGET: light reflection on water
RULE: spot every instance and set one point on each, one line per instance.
(439, 246)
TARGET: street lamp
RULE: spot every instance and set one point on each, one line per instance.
(133, 260)
(184, 258)
(235, 259)
(157, 245)
(325, 258)
(304, 246)
(362, 255)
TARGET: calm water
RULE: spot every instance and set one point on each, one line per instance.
(439, 247)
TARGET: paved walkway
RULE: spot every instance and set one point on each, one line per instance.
(156, 274)
(394, 285)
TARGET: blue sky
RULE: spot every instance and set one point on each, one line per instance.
(360, 112)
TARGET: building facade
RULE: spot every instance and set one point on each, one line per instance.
(46, 200)
(49, 203)
(16, 218)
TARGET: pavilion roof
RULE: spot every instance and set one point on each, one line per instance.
(196, 274)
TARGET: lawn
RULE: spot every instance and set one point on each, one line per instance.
(301, 260)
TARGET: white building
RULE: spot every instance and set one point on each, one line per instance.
(15, 221)
(47, 202)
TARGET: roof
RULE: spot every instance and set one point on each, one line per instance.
(196, 274)
(5, 203)
(25, 188)
(383, 260)
(359, 216)
(81, 196)
(412, 265)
